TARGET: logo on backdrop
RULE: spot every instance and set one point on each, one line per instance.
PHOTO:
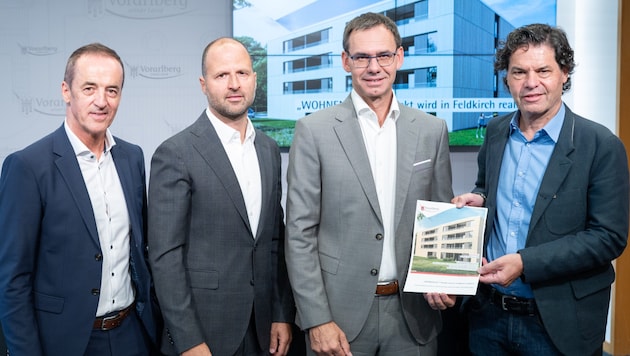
(44, 106)
(138, 9)
(153, 71)
(38, 50)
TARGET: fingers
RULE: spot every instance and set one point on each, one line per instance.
(440, 301)
(329, 339)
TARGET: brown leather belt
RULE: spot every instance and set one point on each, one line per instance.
(112, 322)
(387, 289)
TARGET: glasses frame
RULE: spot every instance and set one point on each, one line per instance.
(369, 59)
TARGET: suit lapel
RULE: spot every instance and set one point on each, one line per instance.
(206, 141)
(69, 169)
(349, 134)
(265, 159)
(121, 161)
(406, 142)
(557, 169)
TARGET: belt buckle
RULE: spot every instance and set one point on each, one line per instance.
(505, 299)
(106, 319)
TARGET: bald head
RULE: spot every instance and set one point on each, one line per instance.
(219, 45)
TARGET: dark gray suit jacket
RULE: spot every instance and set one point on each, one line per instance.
(334, 220)
(210, 272)
(578, 226)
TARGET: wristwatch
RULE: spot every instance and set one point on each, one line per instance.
(481, 195)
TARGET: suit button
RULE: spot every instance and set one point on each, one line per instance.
(374, 272)
(98, 257)
(379, 237)
(251, 281)
(96, 291)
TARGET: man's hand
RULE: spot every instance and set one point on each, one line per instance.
(502, 271)
(328, 339)
(468, 199)
(280, 338)
(440, 301)
(199, 350)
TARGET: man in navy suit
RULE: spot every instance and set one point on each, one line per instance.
(556, 188)
(73, 277)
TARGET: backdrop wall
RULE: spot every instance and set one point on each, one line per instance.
(161, 42)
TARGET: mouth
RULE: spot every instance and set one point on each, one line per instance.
(99, 115)
(234, 98)
(532, 97)
(374, 81)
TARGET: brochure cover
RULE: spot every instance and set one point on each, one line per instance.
(447, 249)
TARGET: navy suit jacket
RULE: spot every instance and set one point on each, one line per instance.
(578, 226)
(211, 272)
(49, 247)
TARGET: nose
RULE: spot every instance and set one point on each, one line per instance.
(233, 82)
(373, 65)
(100, 98)
(531, 80)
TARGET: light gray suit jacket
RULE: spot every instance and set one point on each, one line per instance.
(334, 223)
(210, 272)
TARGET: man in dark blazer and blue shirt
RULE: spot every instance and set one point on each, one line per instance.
(556, 188)
(216, 223)
(73, 276)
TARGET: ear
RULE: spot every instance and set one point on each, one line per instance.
(202, 83)
(65, 92)
(400, 57)
(345, 61)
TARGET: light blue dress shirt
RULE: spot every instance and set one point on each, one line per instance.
(522, 170)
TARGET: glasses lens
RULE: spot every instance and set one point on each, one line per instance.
(364, 61)
(385, 59)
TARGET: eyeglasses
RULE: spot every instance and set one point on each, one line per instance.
(363, 61)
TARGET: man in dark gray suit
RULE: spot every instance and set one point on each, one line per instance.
(216, 223)
(556, 188)
(355, 173)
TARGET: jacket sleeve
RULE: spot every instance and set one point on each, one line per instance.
(20, 217)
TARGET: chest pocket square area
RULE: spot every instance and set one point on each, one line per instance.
(422, 165)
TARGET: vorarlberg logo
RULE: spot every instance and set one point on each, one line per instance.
(38, 50)
(138, 9)
(153, 71)
(44, 106)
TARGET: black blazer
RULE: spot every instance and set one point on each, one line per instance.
(578, 226)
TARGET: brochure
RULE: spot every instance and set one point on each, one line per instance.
(447, 249)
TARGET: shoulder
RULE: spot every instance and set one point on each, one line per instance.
(330, 114)
(420, 116)
(42, 149)
(182, 139)
(586, 130)
(263, 139)
(132, 148)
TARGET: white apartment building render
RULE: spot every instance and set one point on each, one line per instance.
(449, 50)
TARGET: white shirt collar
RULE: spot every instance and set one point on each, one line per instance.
(80, 148)
(226, 133)
(361, 107)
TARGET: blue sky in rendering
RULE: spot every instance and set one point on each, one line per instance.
(521, 12)
(269, 19)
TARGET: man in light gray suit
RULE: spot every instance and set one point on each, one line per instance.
(216, 224)
(355, 173)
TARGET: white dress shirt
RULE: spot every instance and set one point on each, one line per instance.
(112, 222)
(380, 145)
(242, 156)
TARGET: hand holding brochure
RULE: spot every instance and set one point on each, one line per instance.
(447, 249)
